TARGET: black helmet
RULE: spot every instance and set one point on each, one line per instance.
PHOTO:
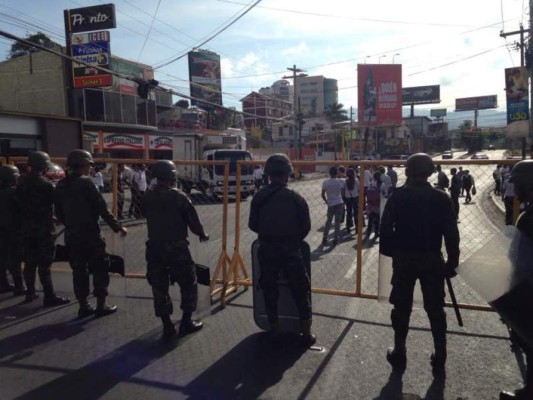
(522, 173)
(278, 164)
(79, 158)
(8, 173)
(164, 170)
(419, 165)
(39, 161)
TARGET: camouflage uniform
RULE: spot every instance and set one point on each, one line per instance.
(10, 239)
(79, 205)
(281, 218)
(35, 198)
(169, 213)
(415, 219)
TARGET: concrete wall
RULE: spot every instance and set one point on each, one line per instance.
(33, 84)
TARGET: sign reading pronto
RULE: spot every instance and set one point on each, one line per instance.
(94, 18)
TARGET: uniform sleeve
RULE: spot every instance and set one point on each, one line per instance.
(386, 229)
(191, 216)
(97, 200)
(303, 216)
(253, 219)
(451, 231)
(58, 206)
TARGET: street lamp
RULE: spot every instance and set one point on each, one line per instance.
(366, 58)
(380, 57)
(397, 54)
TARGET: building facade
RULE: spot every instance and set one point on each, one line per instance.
(261, 110)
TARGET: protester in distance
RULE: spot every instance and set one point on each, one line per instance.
(120, 190)
(415, 220)
(508, 198)
(460, 174)
(79, 205)
(455, 190)
(332, 196)
(393, 175)
(280, 217)
(98, 178)
(258, 177)
(522, 178)
(443, 182)
(376, 190)
(10, 238)
(468, 185)
(497, 176)
(35, 197)
(386, 180)
(169, 214)
(350, 193)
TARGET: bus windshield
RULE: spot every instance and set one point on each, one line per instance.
(233, 157)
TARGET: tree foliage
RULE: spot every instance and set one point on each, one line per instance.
(20, 49)
(336, 113)
(182, 103)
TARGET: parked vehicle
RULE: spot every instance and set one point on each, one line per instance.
(479, 156)
(447, 155)
(208, 179)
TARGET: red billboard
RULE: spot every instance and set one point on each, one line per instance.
(379, 94)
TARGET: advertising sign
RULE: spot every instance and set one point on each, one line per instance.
(476, 103)
(438, 112)
(94, 18)
(157, 142)
(123, 141)
(517, 94)
(379, 94)
(129, 69)
(421, 95)
(204, 77)
(93, 49)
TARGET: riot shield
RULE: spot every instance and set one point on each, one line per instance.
(200, 252)
(502, 273)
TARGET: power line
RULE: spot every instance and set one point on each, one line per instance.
(149, 30)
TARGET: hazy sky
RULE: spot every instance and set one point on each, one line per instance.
(454, 43)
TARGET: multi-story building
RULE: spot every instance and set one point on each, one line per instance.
(315, 94)
(261, 110)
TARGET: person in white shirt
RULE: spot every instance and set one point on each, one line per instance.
(258, 177)
(350, 192)
(98, 179)
(138, 187)
(332, 195)
(386, 180)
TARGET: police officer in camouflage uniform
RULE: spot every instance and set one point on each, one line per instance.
(169, 213)
(280, 216)
(522, 178)
(415, 220)
(35, 197)
(79, 205)
(10, 240)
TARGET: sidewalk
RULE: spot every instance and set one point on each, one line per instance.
(48, 354)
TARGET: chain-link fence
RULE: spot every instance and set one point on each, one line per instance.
(349, 268)
(352, 267)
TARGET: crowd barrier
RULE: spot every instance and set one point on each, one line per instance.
(349, 269)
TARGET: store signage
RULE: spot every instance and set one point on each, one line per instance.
(94, 18)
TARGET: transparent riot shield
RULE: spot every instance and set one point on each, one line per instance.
(385, 286)
(502, 273)
(201, 254)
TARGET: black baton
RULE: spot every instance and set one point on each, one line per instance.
(454, 302)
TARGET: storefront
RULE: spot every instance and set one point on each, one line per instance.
(151, 145)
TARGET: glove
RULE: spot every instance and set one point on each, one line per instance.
(450, 269)
(204, 237)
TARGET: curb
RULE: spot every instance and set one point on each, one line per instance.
(497, 202)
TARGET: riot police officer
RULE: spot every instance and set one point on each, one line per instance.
(10, 244)
(522, 178)
(79, 204)
(415, 220)
(169, 213)
(35, 197)
(280, 216)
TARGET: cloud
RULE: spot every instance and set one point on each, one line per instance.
(295, 51)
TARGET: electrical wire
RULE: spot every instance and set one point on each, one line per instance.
(149, 30)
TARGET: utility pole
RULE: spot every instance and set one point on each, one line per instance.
(296, 105)
(522, 64)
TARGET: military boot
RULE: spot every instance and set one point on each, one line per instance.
(188, 325)
(396, 356)
(308, 338)
(53, 299)
(438, 359)
(169, 330)
(86, 309)
(103, 309)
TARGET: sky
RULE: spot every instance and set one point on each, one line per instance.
(455, 44)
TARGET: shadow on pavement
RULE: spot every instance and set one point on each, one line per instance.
(247, 370)
(97, 378)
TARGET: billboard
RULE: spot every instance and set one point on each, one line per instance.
(93, 49)
(517, 95)
(204, 77)
(476, 103)
(88, 19)
(379, 94)
(129, 68)
(421, 95)
(438, 112)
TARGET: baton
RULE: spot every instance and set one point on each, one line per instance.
(454, 302)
